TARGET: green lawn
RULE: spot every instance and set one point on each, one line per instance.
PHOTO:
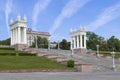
(28, 62)
(11, 62)
(117, 55)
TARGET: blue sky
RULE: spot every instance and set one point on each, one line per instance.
(59, 16)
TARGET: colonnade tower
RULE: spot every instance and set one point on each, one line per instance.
(78, 39)
(18, 31)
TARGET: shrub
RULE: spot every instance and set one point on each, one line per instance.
(70, 63)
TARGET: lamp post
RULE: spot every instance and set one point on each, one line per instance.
(113, 61)
(30, 42)
(49, 44)
(36, 46)
(97, 50)
(58, 46)
(72, 52)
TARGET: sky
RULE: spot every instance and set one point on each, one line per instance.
(59, 16)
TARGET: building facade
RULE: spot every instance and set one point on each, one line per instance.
(31, 36)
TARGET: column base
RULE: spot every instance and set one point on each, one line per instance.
(19, 46)
(80, 50)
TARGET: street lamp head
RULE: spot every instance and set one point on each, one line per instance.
(113, 53)
(97, 45)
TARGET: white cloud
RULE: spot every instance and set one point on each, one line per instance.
(39, 6)
(8, 9)
(105, 17)
(69, 10)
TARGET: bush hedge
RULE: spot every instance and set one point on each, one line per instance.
(70, 63)
(16, 54)
(6, 48)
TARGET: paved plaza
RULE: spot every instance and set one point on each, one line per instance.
(60, 76)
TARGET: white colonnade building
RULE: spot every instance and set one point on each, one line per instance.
(78, 39)
(18, 31)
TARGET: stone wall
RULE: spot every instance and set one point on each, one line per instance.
(80, 50)
(84, 68)
(19, 46)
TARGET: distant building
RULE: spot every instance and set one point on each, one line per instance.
(31, 35)
(53, 44)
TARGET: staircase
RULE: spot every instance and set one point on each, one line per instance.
(100, 64)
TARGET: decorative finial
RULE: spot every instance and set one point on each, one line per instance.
(18, 18)
(80, 28)
(71, 30)
(25, 18)
(11, 21)
(84, 28)
(74, 30)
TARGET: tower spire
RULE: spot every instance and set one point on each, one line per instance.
(18, 18)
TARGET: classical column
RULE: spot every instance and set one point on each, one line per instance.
(19, 37)
(81, 44)
(24, 35)
(71, 42)
(14, 36)
(84, 41)
(11, 36)
(77, 41)
(74, 42)
(22, 32)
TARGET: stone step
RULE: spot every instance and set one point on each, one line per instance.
(76, 63)
(84, 60)
(49, 54)
(61, 60)
(53, 57)
(28, 49)
(42, 55)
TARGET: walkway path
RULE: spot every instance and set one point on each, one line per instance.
(60, 76)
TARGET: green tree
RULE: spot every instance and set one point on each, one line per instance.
(65, 45)
(113, 44)
(5, 42)
(94, 39)
(41, 42)
(102, 43)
